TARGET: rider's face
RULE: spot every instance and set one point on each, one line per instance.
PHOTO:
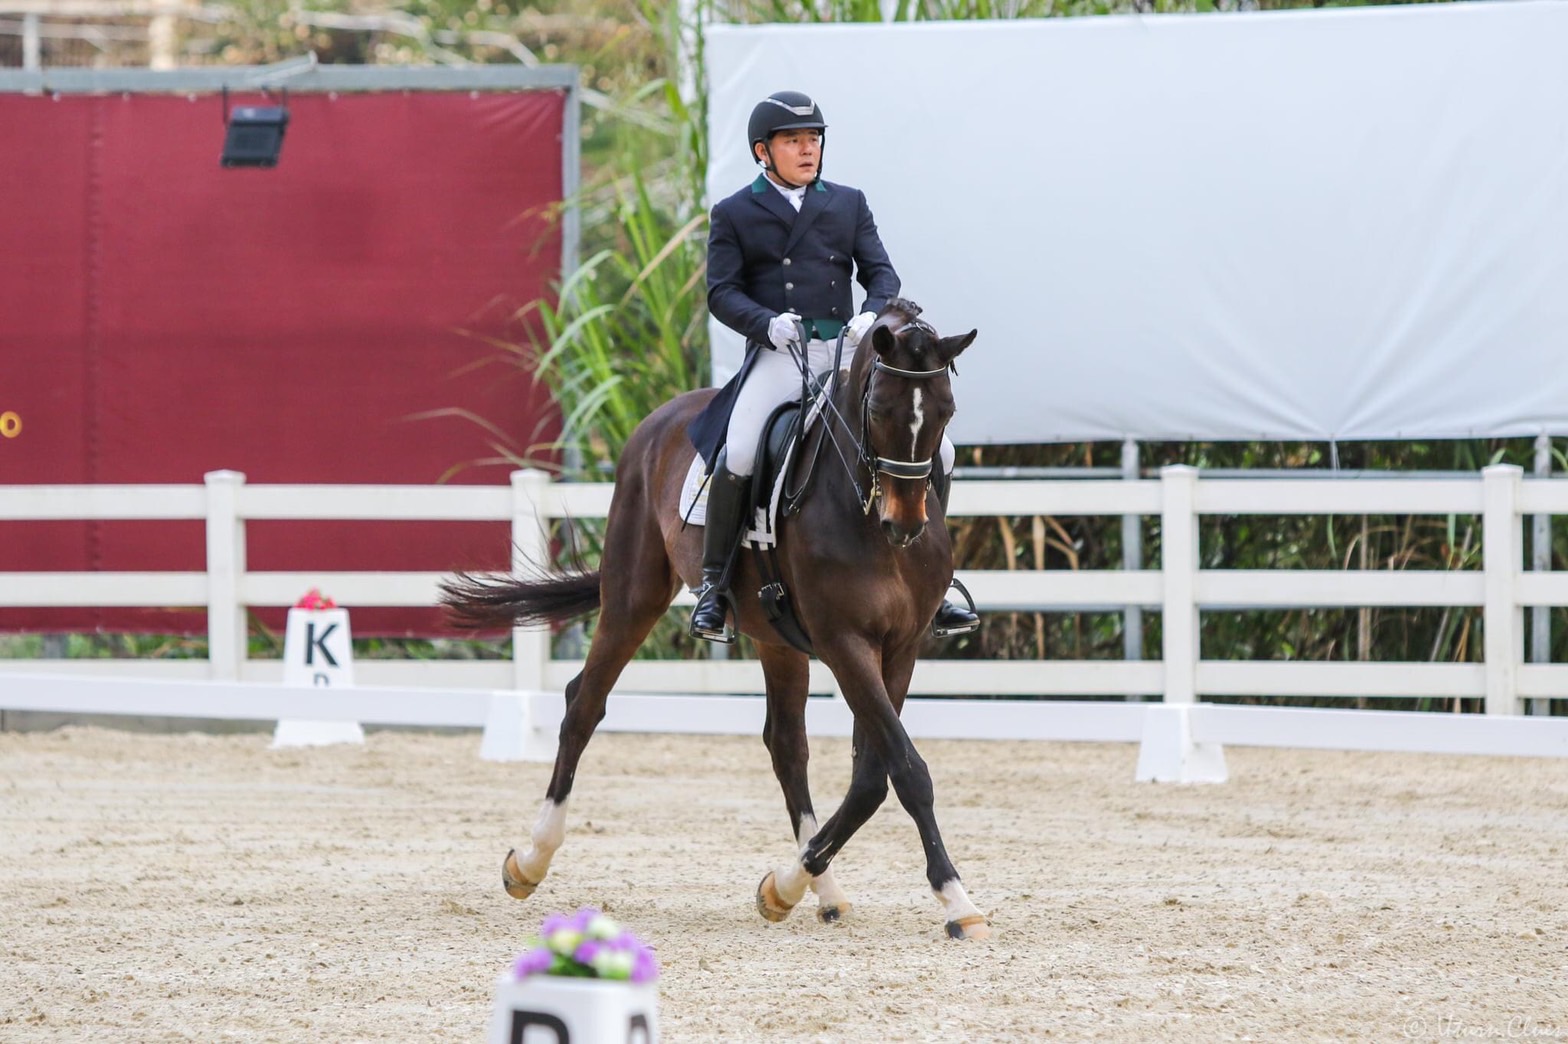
(796, 154)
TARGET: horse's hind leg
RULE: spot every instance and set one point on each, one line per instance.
(786, 673)
(638, 586)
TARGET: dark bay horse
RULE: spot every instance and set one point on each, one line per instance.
(866, 562)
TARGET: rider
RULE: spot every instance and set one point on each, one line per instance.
(779, 253)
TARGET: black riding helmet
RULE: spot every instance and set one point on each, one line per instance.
(779, 111)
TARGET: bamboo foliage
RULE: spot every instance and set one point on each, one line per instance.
(626, 333)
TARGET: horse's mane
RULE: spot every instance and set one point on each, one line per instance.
(903, 308)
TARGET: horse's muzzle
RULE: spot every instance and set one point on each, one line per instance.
(903, 520)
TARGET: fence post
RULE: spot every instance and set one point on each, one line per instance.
(1541, 561)
(530, 552)
(1132, 559)
(32, 42)
(1179, 564)
(1502, 558)
(225, 565)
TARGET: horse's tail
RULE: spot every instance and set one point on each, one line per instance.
(477, 603)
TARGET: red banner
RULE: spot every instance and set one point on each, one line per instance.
(340, 318)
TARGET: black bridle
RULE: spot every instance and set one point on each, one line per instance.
(864, 454)
(879, 465)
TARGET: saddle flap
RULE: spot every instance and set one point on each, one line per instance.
(774, 448)
(778, 448)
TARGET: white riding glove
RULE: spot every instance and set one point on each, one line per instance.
(857, 327)
(783, 332)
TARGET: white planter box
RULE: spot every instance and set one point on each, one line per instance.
(548, 1009)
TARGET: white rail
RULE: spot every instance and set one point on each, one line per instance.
(1179, 589)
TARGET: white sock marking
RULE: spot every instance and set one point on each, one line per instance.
(827, 889)
(955, 903)
(549, 831)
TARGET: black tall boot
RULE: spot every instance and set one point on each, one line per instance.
(726, 506)
(950, 619)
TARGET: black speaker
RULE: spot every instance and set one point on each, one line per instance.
(254, 136)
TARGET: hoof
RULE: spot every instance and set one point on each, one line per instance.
(975, 927)
(517, 886)
(833, 913)
(769, 905)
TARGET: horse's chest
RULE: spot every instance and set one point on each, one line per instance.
(878, 579)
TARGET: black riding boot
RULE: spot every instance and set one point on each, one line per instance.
(950, 619)
(726, 505)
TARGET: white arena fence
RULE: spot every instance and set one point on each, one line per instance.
(723, 696)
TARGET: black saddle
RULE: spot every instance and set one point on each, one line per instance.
(779, 451)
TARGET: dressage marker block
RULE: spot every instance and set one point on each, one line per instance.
(513, 729)
(547, 1009)
(1168, 753)
(318, 652)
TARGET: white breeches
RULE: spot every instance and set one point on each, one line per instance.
(774, 380)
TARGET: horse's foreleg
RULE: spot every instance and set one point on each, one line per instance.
(784, 733)
(832, 901)
(867, 791)
(866, 690)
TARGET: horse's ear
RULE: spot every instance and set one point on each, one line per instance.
(882, 339)
(950, 348)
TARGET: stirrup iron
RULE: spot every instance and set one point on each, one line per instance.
(724, 636)
(964, 628)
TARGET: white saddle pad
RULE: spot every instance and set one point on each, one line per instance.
(694, 506)
(763, 528)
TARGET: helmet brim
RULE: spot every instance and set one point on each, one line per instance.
(801, 125)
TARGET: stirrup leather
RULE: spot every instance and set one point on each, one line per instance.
(966, 619)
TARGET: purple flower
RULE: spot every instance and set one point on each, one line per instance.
(645, 966)
(587, 944)
(553, 924)
(532, 962)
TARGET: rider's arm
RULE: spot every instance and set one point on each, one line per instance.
(873, 269)
(727, 298)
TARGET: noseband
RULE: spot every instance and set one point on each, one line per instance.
(899, 469)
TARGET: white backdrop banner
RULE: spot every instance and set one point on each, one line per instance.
(1329, 224)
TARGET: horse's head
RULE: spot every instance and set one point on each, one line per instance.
(902, 370)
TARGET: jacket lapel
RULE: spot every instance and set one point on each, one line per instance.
(814, 203)
(771, 200)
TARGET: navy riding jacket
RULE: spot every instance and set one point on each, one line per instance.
(764, 258)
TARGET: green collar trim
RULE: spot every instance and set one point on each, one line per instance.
(762, 184)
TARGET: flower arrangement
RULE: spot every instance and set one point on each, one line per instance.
(586, 945)
(314, 599)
